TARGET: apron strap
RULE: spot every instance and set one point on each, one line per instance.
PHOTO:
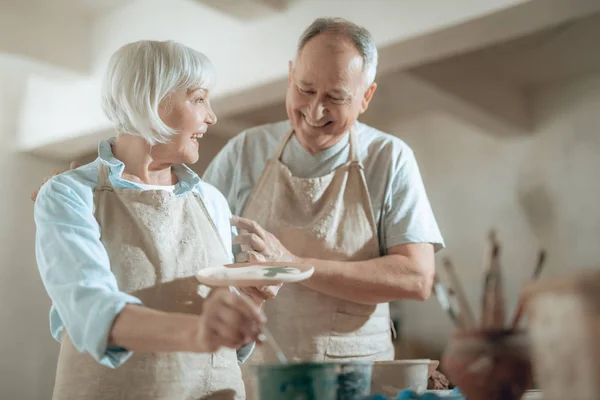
(103, 175)
(282, 144)
(354, 157)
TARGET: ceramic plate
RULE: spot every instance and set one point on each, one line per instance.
(254, 274)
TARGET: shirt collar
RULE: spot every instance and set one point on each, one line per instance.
(187, 178)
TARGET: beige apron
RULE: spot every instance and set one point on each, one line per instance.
(330, 218)
(156, 242)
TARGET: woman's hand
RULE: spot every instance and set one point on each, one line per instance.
(228, 320)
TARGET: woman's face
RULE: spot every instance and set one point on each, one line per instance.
(188, 112)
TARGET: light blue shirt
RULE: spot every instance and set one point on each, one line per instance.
(74, 265)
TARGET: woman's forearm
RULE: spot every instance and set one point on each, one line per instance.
(142, 329)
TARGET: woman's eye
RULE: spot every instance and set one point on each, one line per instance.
(199, 100)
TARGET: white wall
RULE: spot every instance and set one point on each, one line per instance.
(537, 191)
(27, 351)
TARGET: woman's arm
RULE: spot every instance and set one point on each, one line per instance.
(99, 318)
(75, 268)
(228, 320)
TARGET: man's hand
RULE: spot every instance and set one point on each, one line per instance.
(260, 293)
(34, 194)
(260, 243)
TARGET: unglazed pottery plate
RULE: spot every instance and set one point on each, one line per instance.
(254, 274)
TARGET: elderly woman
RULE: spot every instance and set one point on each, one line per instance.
(119, 241)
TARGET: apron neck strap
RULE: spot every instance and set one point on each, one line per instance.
(353, 146)
(282, 144)
(353, 156)
(103, 175)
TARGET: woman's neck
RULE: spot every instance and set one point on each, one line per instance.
(134, 152)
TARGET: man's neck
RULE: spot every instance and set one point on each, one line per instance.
(317, 144)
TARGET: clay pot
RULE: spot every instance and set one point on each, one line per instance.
(489, 365)
(564, 326)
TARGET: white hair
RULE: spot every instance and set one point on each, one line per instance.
(141, 75)
(360, 37)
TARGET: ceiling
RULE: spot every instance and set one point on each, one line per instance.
(562, 52)
(91, 7)
(249, 9)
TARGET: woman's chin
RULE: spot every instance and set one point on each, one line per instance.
(190, 158)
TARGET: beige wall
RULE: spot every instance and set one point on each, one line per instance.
(537, 191)
(27, 351)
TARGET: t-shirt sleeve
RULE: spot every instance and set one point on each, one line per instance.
(221, 173)
(408, 216)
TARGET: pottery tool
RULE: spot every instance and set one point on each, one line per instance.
(492, 308)
(536, 273)
(442, 296)
(466, 312)
(266, 335)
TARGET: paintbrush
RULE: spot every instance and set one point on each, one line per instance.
(467, 316)
(266, 335)
(536, 273)
(460, 316)
(442, 296)
(492, 308)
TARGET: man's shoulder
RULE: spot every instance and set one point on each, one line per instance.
(262, 135)
(377, 142)
(278, 128)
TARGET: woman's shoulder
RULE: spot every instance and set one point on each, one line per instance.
(211, 195)
(76, 184)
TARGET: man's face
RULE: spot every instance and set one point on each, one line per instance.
(326, 91)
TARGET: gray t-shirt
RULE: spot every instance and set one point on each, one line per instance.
(400, 205)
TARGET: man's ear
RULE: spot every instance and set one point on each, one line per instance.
(367, 97)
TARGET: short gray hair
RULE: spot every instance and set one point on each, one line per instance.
(360, 37)
(140, 75)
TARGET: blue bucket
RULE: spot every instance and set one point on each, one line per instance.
(313, 381)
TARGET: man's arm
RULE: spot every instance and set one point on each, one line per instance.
(405, 273)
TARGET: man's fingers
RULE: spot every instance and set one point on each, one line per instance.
(256, 294)
(248, 225)
(254, 257)
(250, 239)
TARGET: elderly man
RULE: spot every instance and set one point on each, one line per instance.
(327, 190)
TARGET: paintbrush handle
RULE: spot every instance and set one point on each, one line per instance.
(266, 334)
(492, 309)
(466, 312)
(444, 300)
(536, 273)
